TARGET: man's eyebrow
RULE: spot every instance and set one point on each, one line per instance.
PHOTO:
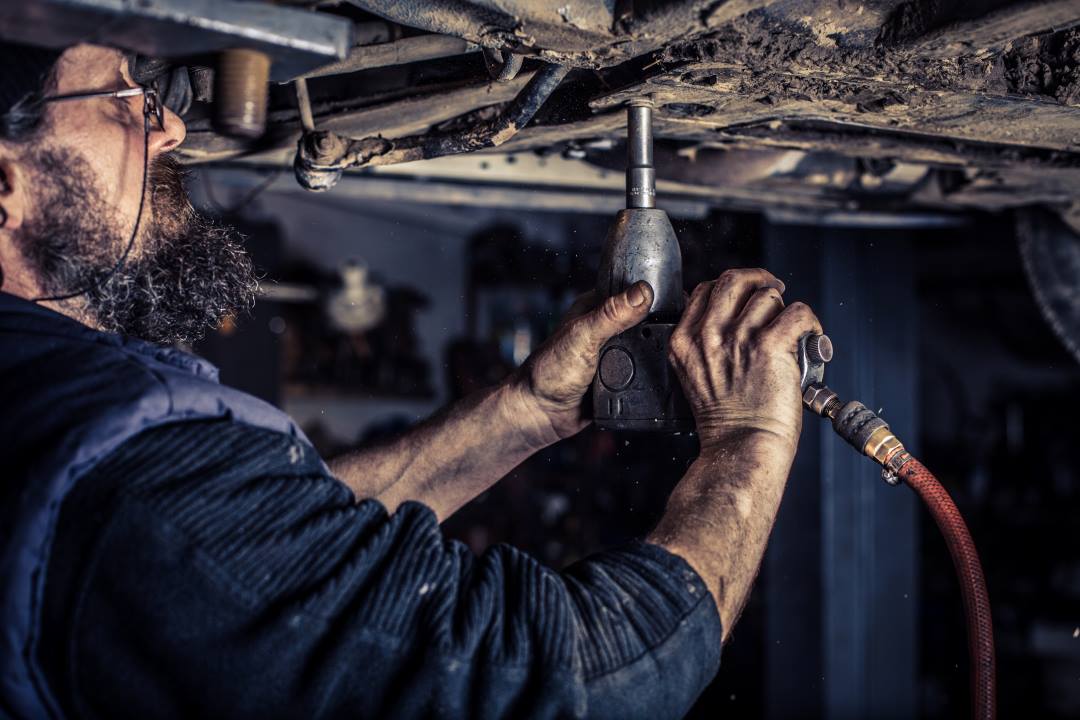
(125, 70)
(125, 63)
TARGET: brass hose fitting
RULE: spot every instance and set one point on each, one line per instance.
(862, 428)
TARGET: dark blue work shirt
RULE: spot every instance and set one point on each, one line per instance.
(209, 569)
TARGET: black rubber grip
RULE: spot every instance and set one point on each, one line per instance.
(855, 423)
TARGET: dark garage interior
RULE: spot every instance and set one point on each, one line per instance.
(426, 188)
(856, 612)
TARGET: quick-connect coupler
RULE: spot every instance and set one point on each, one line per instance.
(861, 427)
(853, 421)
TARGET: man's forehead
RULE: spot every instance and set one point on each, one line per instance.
(91, 67)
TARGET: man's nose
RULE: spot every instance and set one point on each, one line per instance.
(162, 141)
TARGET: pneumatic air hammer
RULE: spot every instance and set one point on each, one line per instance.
(635, 387)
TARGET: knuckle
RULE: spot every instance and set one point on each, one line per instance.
(675, 355)
(711, 334)
(741, 277)
(726, 279)
(766, 276)
(680, 346)
(800, 312)
(680, 357)
(702, 291)
(742, 336)
(777, 327)
(744, 275)
(809, 316)
(609, 310)
(769, 293)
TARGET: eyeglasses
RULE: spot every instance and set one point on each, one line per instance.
(152, 108)
(152, 105)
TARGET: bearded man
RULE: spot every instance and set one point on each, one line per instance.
(175, 548)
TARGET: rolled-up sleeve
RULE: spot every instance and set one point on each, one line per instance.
(226, 593)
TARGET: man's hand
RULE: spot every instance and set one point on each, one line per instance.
(547, 390)
(735, 351)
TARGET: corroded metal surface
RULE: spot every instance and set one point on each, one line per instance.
(982, 95)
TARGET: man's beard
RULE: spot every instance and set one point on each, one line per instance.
(184, 276)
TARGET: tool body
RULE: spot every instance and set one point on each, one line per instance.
(635, 387)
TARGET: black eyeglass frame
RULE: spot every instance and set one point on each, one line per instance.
(152, 105)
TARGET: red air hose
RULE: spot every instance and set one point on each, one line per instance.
(871, 436)
(965, 558)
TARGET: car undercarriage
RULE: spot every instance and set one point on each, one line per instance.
(880, 105)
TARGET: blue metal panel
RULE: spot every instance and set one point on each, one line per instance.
(791, 575)
(867, 599)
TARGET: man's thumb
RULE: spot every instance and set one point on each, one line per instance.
(621, 312)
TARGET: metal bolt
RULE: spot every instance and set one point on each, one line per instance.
(325, 143)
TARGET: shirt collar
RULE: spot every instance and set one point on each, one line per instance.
(18, 315)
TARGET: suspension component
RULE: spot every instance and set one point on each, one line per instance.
(241, 91)
(322, 155)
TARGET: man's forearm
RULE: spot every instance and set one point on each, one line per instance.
(720, 515)
(456, 455)
(448, 459)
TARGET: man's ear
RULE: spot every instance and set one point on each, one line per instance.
(12, 194)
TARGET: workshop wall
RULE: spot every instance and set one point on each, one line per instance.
(416, 255)
(413, 251)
